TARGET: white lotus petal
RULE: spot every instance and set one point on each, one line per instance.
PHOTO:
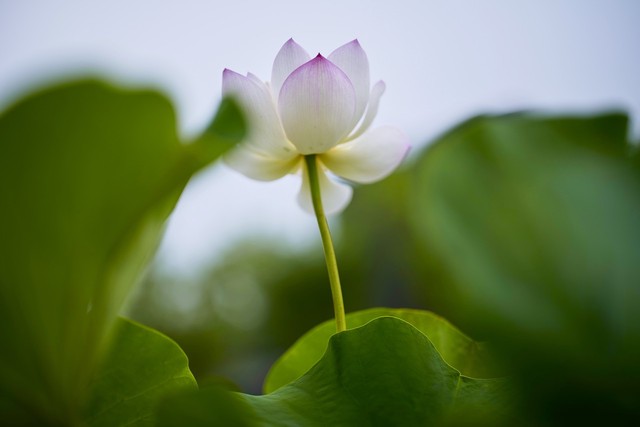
(352, 59)
(372, 109)
(335, 196)
(370, 157)
(316, 104)
(290, 57)
(256, 165)
(256, 79)
(265, 133)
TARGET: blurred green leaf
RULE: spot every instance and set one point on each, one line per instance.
(141, 367)
(208, 407)
(470, 358)
(384, 373)
(225, 130)
(534, 221)
(88, 175)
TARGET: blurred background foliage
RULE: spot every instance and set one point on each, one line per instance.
(533, 224)
(521, 229)
(89, 173)
(236, 317)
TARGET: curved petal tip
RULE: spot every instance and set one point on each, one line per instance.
(228, 72)
(290, 57)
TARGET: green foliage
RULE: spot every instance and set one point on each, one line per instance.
(523, 227)
(88, 175)
(141, 367)
(248, 308)
(470, 358)
(534, 222)
(384, 373)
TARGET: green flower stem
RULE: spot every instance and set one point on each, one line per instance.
(329, 253)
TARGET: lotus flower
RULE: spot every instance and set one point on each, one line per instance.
(320, 106)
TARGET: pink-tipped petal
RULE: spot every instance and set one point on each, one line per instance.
(317, 105)
(352, 59)
(372, 110)
(265, 134)
(290, 57)
(370, 157)
(335, 196)
(256, 165)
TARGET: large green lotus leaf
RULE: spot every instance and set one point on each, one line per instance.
(88, 175)
(385, 373)
(471, 358)
(141, 367)
(535, 222)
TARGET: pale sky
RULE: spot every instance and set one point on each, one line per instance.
(442, 61)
